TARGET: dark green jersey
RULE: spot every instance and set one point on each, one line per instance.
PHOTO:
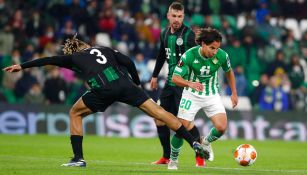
(172, 47)
(194, 67)
(99, 66)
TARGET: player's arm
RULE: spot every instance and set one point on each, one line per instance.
(232, 83)
(191, 40)
(128, 63)
(61, 61)
(160, 60)
(180, 71)
(229, 74)
(158, 66)
(179, 81)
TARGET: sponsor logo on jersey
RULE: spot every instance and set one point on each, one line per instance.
(196, 61)
(204, 76)
(168, 52)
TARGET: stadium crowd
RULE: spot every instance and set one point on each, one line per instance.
(266, 41)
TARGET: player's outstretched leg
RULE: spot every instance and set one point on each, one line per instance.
(157, 112)
(200, 161)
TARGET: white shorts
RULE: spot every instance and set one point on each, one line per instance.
(190, 105)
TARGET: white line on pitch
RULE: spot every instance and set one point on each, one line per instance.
(148, 163)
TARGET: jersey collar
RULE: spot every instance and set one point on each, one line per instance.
(177, 32)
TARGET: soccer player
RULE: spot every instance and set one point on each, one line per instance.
(197, 73)
(174, 41)
(101, 67)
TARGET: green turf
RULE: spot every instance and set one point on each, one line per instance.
(42, 154)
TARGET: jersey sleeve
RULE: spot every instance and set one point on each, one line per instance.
(226, 65)
(125, 61)
(160, 58)
(191, 39)
(61, 61)
(182, 67)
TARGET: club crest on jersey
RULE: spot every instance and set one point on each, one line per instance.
(179, 41)
(215, 60)
(180, 63)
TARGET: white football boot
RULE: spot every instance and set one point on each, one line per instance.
(172, 164)
(75, 162)
(207, 147)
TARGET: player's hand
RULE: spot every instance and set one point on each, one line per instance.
(13, 68)
(154, 83)
(234, 100)
(197, 86)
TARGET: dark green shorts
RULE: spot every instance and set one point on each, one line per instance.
(98, 99)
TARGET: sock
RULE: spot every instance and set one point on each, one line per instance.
(176, 145)
(182, 132)
(195, 133)
(76, 143)
(213, 135)
(164, 137)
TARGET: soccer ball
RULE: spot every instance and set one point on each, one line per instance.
(245, 155)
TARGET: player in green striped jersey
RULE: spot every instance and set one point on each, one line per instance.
(197, 73)
(174, 41)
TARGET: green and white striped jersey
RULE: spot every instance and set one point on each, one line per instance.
(196, 68)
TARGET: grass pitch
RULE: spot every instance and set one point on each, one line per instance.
(43, 154)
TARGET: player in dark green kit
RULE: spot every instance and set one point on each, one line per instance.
(174, 41)
(101, 67)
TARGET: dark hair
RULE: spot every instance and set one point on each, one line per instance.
(73, 45)
(176, 6)
(208, 35)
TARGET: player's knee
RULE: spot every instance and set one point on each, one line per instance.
(187, 124)
(221, 128)
(73, 112)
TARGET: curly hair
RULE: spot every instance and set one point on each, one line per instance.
(208, 35)
(74, 45)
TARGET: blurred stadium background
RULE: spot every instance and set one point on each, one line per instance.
(266, 41)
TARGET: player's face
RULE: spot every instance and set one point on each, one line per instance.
(211, 49)
(175, 18)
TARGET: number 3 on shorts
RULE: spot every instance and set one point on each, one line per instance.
(185, 104)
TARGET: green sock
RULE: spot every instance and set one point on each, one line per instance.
(213, 135)
(176, 144)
